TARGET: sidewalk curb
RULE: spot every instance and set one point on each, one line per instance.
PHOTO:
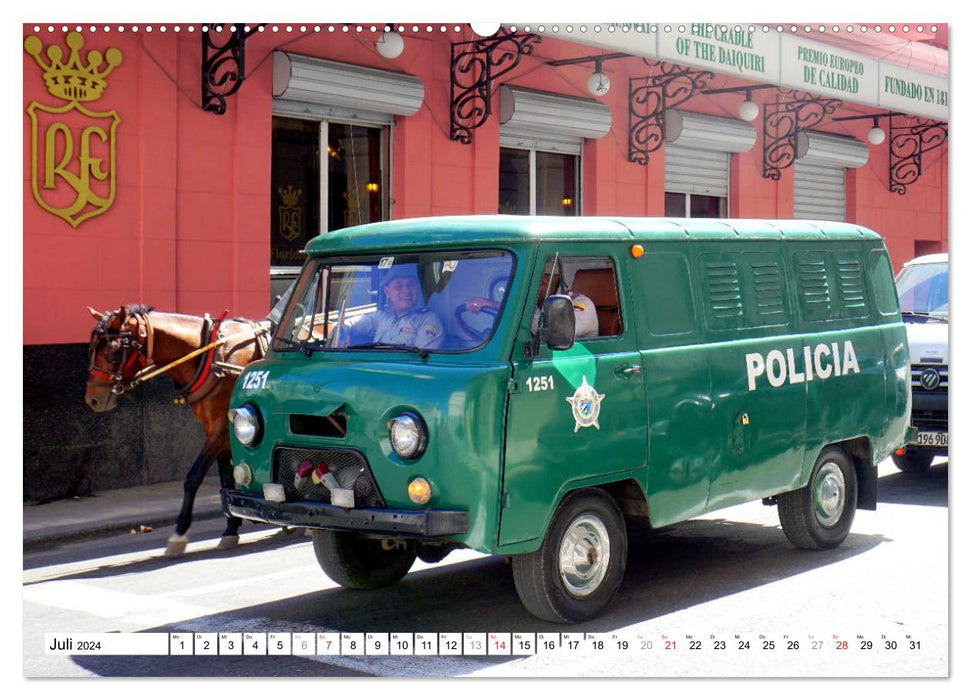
(53, 537)
(113, 512)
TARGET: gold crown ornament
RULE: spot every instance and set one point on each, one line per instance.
(290, 195)
(72, 80)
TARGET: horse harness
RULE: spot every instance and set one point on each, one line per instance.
(213, 366)
(134, 364)
(131, 356)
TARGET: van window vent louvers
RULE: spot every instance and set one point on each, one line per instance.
(724, 290)
(814, 286)
(850, 280)
(768, 288)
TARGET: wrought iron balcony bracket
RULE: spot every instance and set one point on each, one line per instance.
(476, 65)
(649, 97)
(223, 66)
(908, 145)
(782, 122)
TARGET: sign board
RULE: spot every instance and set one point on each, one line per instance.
(745, 52)
(750, 52)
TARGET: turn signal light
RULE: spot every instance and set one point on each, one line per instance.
(419, 491)
(242, 474)
(637, 250)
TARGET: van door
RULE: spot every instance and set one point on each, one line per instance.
(576, 417)
(758, 375)
(682, 443)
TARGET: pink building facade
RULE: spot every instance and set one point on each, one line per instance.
(134, 190)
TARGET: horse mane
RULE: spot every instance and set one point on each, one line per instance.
(102, 324)
(139, 309)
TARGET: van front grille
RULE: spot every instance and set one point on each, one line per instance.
(929, 420)
(919, 385)
(348, 466)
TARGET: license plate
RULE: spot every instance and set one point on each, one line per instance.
(931, 439)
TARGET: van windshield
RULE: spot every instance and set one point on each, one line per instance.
(420, 302)
(922, 290)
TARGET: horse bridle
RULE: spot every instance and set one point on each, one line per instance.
(128, 359)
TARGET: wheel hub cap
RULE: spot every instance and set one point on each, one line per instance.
(584, 555)
(829, 494)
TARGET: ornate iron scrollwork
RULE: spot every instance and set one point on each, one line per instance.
(908, 144)
(476, 65)
(782, 121)
(649, 97)
(223, 66)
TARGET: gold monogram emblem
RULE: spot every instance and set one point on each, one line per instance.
(73, 155)
(290, 212)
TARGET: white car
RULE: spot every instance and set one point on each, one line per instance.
(922, 287)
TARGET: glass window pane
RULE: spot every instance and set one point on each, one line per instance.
(556, 182)
(355, 183)
(922, 288)
(707, 207)
(295, 187)
(513, 181)
(675, 205)
(438, 301)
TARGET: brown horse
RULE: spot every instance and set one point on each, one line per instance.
(202, 356)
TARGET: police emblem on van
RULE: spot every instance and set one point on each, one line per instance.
(822, 361)
(586, 406)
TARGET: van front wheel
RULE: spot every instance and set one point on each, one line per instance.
(355, 561)
(819, 515)
(578, 569)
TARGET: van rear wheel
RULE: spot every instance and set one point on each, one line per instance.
(355, 561)
(819, 515)
(577, 571)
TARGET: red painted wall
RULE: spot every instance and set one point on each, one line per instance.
(189, 227)
(912, 223)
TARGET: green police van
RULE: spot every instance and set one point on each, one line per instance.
(535, 387)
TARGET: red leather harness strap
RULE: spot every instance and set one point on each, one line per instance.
(207, 361)
(205, 380)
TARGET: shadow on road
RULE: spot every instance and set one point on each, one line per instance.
(928, 489)
(155, 560)
(667, 571)
(209, 666)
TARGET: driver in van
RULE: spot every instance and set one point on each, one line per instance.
(402, 321)
(587, 325)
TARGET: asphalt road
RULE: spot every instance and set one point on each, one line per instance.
(720, 596)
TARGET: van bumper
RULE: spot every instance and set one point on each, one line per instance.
(380, 521)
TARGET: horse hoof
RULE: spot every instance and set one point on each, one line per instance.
(228, 542)
(175, 547)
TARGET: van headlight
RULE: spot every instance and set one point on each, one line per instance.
(247, 425)
(408, 436)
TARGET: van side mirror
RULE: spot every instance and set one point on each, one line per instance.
(558, 326)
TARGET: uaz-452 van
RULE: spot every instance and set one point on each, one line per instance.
(923, 292)
(534, 387)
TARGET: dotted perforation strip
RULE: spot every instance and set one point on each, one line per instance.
(554, 29)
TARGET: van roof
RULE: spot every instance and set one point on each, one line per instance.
(495, 229)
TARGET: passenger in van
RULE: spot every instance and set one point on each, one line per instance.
(587, 324)
(402, 321)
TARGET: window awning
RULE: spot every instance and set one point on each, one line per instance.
(816, 148)
(547, 121)
(705, 132)
(316, 81)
